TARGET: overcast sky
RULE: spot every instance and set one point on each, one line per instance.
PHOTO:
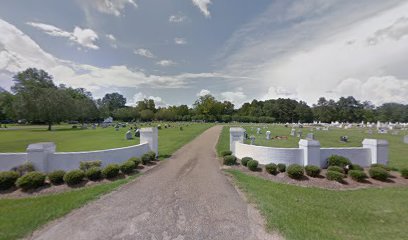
(237, 50)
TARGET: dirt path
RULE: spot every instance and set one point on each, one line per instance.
(187, 197)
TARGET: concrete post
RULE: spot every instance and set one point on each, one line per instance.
(39, 153)
(379, 150)
(236, 135)
(151, 136)
(311, 152)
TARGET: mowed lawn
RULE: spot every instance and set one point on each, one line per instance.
(398, 150)
(19, 217)
(75, 140)
(312, 213)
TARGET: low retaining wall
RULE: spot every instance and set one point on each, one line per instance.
(45, 159)
(309, 152)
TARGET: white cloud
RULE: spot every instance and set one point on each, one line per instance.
(203, 92)
(395, 31)
(158, 101)
(180, 41)
(144, 52)
(203, 6)
(279, 92)
(84, 37)
(166, 63)
(177, 18)
(113, 7)
(237, 97)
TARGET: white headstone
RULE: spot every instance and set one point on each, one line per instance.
(268, 135)
(293, 132)
(258, 131)
(128, 135)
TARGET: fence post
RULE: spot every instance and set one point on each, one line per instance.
(39, 153)
(151, 136)
(236, 135)
(311, 152)
(378, 149)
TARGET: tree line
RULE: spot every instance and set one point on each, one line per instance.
(35, 98)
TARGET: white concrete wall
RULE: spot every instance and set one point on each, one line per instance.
(265, 155)
(10, 160)
(70, 160)
(360, 156)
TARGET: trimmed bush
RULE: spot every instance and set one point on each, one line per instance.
(404, 173)
(312, 171)
(381, 166)
(358, 175)
(111, 171)
(271, 168)
(136, 160)
(56, 177)
(230, 160)
(252, 165)
(31, 180)
(225, 153)
(378, 173)
(295, 171)
(8, 179)
(85, 165)
(245, 160)
(334, 176)
(127, 167)
(94, 173)
(281, 167)
(336, 169)
(24, 168)
(148, 157)
(356, 167)
(74, 177)
(336, 160)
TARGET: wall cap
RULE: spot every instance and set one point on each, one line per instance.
(309, 143)
(149, 129)
(41, 146)
(376, 142)
(237, 130)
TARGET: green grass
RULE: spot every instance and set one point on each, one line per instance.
(19, 217)
(313, 213)
(74, 140)
(398, 151)
(223, 141)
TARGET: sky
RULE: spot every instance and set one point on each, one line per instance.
(237, 50)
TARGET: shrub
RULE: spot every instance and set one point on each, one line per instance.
(252, 165)
(74, 177)
(56, 177)
(152, 155)
(356, 167)
(245, 160)
(404, 173)
(148, 157)
(378, 173)
(381, 166)
(336, 160)
(358, 175)
(336, 169)
(31, 180)
(295, 171)
(229, 160)
(271, 168)
(85, 165)
(24, 168)
(136, 160)
(334, 176)
(127, 167)
(8, 179)
(312, 171)
(94, 173)
(225, 153)
(111, 171)
(281, 167)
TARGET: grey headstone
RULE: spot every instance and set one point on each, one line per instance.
(258, 131)
(310, 136)
(252, 139)
(293, 132)
(128, 135)
(268, 135)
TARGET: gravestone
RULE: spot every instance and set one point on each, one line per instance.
(299, 134)
(128, 135)
(310, 136)
(137, 133)
(252, 139)
(245, 135)
(117, 128)
(258, 131)
(268, 135)
(293, 132)
(344, 139)
(406, 139)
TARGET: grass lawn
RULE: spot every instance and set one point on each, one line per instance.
(398, 151)
(74, 140)
(19, 217)
(312, 213)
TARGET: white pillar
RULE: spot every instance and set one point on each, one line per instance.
(378, 149)
(236, 135)
(311, 152)
(151, 136)
(39, 153)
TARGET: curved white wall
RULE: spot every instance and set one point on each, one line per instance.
(360, 156)
(265, 155)
(10, 160)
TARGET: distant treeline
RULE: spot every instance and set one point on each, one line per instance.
(36, 99)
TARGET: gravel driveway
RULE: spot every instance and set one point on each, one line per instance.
(186, 197)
